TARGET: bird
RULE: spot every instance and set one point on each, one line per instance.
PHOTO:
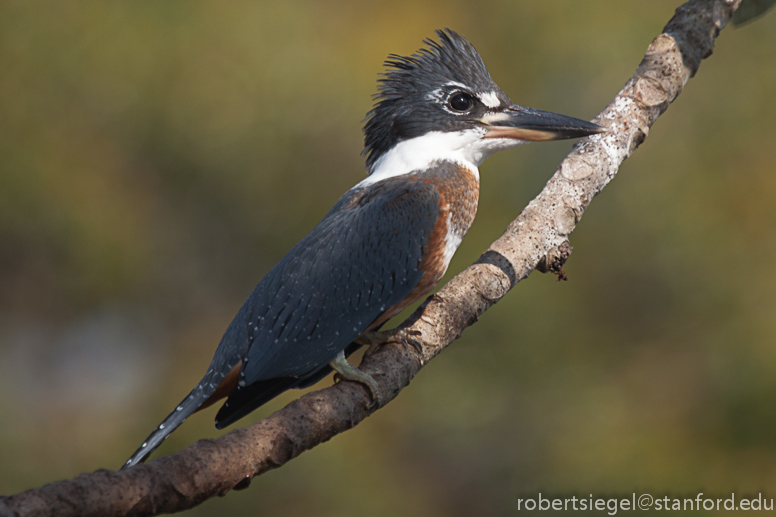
(384, 245)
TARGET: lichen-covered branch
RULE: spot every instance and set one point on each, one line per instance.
(538, 238)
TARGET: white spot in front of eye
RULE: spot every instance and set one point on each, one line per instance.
(490, 99)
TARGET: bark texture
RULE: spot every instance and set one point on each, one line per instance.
(537, 239)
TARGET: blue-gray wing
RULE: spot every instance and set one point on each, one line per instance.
(359, 261)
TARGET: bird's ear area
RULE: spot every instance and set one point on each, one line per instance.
(520, 123)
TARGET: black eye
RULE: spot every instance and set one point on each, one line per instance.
(461, 102)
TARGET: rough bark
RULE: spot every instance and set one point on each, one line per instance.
(537, 239)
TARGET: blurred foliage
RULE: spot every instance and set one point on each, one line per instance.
(159, 157)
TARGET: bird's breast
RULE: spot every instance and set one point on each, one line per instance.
(459, 189)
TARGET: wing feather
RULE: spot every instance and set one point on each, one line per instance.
(359, 261)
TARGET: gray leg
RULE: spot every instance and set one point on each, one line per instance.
(349, 372)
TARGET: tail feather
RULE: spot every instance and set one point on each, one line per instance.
(244, 400)
(187, 406)
(241, 401)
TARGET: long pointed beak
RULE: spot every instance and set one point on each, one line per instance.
(520, 123)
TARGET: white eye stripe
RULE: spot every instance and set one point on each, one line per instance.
(446, 90)
(489, 99)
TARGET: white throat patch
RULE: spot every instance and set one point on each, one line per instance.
(467, 148)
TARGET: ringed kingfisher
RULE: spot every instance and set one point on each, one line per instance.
(384, 245)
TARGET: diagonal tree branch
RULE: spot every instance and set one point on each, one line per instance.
(537, 239)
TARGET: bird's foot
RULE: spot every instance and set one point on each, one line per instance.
(377, 339)
(347, 371)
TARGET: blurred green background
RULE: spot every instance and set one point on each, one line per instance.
(158, 158)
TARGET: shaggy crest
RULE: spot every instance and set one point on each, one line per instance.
(403, 110)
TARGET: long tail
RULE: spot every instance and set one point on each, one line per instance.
(189, 405)
(241, 401)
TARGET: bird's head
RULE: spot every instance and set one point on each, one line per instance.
(442, 104)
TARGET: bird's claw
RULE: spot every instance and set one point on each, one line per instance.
(377, 339)
(410, 340)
